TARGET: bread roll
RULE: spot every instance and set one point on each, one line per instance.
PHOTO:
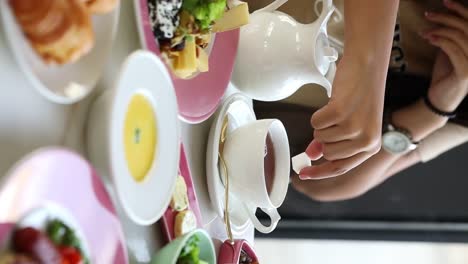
(59, 30)
(179, 201)
(185, 222)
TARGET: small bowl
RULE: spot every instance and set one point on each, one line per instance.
(230, 253)
(55, 182)
(146, 199)
(171, 252)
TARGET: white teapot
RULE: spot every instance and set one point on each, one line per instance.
(277, 55)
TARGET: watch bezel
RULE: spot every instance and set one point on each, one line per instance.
(409, 143)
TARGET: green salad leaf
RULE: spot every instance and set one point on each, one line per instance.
(63, 235)
(190, 254)
(205, 12)
(56, 230)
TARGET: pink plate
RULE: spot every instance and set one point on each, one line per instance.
(63, 178)
(168, 219)
(198, 97)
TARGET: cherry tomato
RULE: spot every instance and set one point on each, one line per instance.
(70, 255)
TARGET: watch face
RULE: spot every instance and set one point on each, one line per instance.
(395, 142)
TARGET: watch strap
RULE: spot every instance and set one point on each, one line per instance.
(405, 132)
(390, 126)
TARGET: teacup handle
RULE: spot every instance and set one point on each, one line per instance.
(271, 212)
(272, 7)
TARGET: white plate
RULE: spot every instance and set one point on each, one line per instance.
(55, 82)
(239, 112)
(142, 73)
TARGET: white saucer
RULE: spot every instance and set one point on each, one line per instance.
(65, 84)
(240, 113)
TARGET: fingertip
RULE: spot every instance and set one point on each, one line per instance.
(315, 150)
(433, 39)
(304, 174)
(308, 177)
(309, 173)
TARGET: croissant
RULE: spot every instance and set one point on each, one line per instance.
(100, 6)
(60, 31)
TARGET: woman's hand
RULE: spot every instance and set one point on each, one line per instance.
(450, 75)
(348, 129)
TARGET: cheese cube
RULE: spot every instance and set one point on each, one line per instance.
(233, 18)
(202, 62)
(186, 64)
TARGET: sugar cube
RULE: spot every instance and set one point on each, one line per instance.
(300, 161)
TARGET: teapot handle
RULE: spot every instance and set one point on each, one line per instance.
(327, 5)
(330, 76)
(272, 7)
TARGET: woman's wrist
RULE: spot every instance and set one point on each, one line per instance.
(437, 110)
(419, 120)
(367, 57)
(446, 100)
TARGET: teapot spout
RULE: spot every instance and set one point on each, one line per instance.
(272, 7)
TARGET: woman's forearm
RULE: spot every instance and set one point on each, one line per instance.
(403, 163)
(418, 119)
(369, 27)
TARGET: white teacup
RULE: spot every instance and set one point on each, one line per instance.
(245, 150)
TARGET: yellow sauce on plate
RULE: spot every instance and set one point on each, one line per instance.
(140, 136)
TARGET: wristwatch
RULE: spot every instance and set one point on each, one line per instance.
(397, 140)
